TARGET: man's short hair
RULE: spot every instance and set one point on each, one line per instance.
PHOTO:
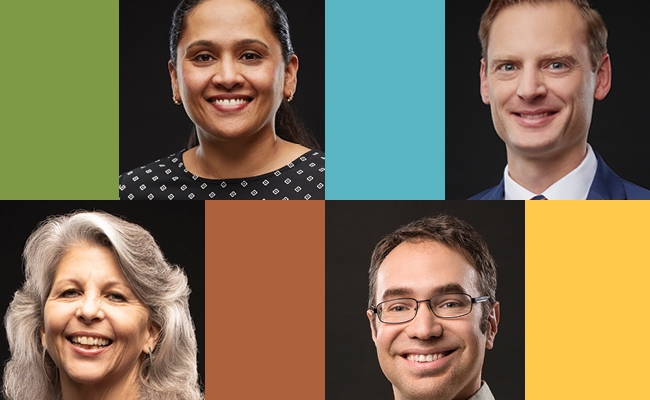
(452, 232)
(596, 30)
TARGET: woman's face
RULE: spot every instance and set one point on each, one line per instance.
(230, 72)
(95, 328)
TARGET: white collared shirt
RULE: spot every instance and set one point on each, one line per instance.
(483, 393)
(572, 186)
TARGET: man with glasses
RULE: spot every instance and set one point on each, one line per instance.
(432, 309)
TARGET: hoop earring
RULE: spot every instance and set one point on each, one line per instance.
(176, 101)
(290, 97)
(47, 374)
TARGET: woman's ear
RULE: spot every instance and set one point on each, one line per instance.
(291, 77)
(152, 340)
(174, 78)
(43, 341)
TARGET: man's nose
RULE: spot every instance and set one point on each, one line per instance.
(425, 325)
(531, 84)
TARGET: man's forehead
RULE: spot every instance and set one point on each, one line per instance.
(424, 267)
(527, 24)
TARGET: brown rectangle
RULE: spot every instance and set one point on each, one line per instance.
(265, 300)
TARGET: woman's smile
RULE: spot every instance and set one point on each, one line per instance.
(95, 328)
(230, 72)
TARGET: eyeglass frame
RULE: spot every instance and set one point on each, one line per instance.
(475, 300)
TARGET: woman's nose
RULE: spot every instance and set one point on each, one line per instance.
(90, 309)
(227, 73)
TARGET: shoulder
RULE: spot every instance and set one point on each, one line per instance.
(635, 192)
(312, 158)
(139, 183)
(607, 185)
(301, 179)
(493, 193)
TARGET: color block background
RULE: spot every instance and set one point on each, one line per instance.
(265, 300)
(384, 99)
(59, 103)
(587, 274)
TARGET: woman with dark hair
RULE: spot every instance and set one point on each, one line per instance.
(101, 314)
(234, 71)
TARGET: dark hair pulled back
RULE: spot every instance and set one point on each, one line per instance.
(287, 125)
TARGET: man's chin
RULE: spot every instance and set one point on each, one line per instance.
(425, 389)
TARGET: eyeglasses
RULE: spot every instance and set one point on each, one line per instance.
(449, 305)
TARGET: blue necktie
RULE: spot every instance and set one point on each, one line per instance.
(539, 197)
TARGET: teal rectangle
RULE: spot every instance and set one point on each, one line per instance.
(59, 113)
(385, 99)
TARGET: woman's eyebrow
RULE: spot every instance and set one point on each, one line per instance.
(242, 42)
(199, 43)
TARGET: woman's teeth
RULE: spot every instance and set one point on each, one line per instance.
(90, 341)
(230, 102)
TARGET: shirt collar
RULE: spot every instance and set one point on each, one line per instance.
(572, 186)
(483, 393)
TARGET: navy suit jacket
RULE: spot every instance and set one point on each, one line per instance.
(606, 186)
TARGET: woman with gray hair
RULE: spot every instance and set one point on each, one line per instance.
(101, 315)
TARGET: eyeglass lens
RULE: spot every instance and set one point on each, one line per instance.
(444, 306)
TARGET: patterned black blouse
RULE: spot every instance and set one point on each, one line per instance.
(167, 179)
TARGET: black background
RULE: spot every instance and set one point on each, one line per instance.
(151, 125)
(476, 156)
(177, 227)
(353, 228)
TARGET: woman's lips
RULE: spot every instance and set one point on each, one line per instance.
(229, 103)
(89, 341)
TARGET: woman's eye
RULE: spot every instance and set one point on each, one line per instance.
(69, 293)
(250, 56)
(114, 296)
(203, 57)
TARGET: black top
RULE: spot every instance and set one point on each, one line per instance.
(167, 179)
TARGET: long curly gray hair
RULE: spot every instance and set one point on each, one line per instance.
(170, 372)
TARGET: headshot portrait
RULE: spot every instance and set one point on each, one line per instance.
(222, 99)
(424, 273)
(93, 308)
(559, 82)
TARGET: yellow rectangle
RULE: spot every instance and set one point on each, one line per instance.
(587, 275)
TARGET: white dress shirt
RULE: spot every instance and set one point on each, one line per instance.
(572, 186)
(483, 393)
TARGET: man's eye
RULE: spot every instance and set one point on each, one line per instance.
(507, 67)
(450, 304)
(398, 308)
(557, 65)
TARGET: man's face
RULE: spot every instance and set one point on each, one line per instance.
(539, 81)
(421, 270)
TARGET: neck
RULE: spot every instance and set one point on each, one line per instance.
(538, 173)
(242, 158)
(126, 389)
